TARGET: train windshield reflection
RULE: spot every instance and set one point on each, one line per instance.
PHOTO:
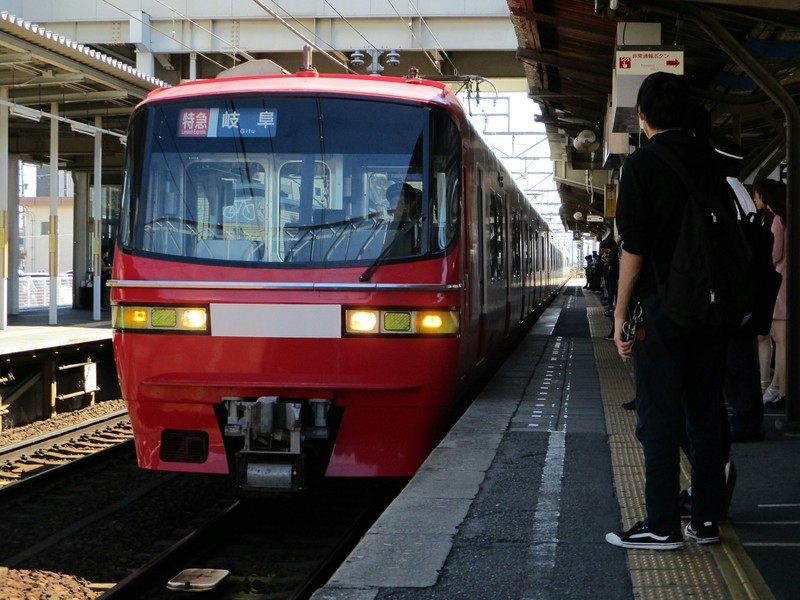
(290, 180)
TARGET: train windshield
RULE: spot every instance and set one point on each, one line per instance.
(292, 181)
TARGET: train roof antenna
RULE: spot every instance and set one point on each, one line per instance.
(307, 64)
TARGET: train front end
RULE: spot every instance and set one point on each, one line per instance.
(277, 314)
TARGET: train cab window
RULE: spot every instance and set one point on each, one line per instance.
(303, 203)
(287, 181)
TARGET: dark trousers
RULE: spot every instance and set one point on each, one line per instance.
(743, 385)
(679, 377)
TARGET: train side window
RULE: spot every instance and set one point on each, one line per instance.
(445, 188)
(516, 244)
(496, 236)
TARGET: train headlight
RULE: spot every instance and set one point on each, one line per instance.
(161, 318)
(401, 322)
(362, 321)
(194, 318)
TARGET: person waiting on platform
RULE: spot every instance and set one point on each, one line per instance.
(105, 274)
(773, 195)
(679, 371)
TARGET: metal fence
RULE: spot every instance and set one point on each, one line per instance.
(34, 290)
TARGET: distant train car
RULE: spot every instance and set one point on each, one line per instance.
(311, 270)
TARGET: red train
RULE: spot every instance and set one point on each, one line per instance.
(279, 311)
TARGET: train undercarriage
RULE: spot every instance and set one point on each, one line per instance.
(280, 442)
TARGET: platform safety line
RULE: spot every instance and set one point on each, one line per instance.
(734, 567)
(740, 573)
(548, 504)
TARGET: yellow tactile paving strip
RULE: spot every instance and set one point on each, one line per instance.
(719, 571)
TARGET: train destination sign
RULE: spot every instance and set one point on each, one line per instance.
(227, 122)
(643, 61)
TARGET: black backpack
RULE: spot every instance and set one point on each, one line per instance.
(766, 280)
(710, 280)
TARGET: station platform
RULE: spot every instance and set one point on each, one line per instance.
(516, 500)
(30, 330)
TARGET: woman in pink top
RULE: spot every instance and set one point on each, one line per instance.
(764, 218)
(773, 195)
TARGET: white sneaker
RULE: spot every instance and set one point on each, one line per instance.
(771, 394)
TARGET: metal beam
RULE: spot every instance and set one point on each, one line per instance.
(8, 58)
(72, 97)
(265, 34)
(18, 79)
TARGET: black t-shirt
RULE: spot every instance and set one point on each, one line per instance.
(651, 200)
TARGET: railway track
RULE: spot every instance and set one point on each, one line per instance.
(100, 525)
(283, 548)
(33, 457)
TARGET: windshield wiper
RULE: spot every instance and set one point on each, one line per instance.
(401, 233)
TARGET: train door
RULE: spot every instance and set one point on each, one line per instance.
(517, 275)
(507, 245)
(479, 269)
(537, 276)
(546, 279)
(497, 252)
(529, 272)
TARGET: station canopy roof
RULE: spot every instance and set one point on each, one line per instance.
(568, 51)
(38, 67)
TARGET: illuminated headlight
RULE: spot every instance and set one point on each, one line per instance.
(441, 322)
(362, 321)
(401, 322)
(160, 318)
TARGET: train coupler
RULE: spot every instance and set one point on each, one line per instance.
(267, 472)
(275, 435)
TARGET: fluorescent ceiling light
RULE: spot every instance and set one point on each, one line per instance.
(82, 128)
(26, 112)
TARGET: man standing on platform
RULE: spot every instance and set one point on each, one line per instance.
(679, 371)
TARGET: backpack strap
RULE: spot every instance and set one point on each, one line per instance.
(688, 183)
(680, 170)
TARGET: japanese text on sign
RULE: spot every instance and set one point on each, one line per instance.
(644, 62)
(220, 122)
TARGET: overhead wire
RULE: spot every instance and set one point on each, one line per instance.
(191, 49)
(300, 35)
(236, 50)
(341, 16)
(439, 46)
(300, 23)
(414, 35)
(208, 31)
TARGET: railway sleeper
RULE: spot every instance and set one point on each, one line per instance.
(277, 437)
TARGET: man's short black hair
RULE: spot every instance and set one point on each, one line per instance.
(664, 99)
